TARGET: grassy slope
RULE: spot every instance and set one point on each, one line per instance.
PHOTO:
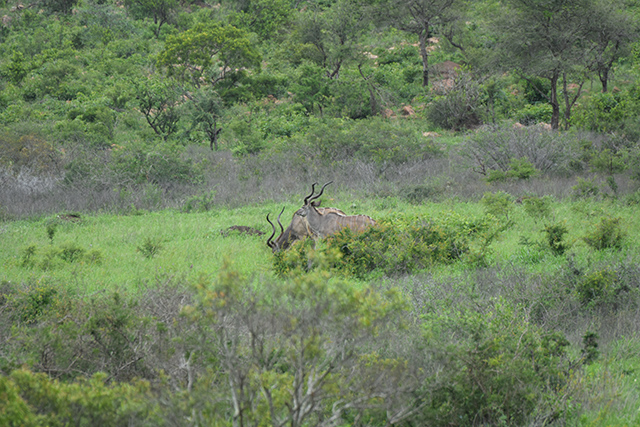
(191, 243)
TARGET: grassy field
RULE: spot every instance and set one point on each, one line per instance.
(191, 244)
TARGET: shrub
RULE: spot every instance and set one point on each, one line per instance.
(71, 252)
(495, 148)
(555, 238)
(534, 114)
(29, 303)
(585, 188)
(375, 140)
(497, 367)
(459, 107)
(391, 247)
(597, 288)
(497, 204)
(608, 234)
(150, 246)
(43, 401)
(537, 207)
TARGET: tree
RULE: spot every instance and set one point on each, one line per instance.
(161, 11)
(207, 53)
(612, 37)
(263, 17)
(158, 101)
(207, 112)
(306, 351)
(420, 18)
(334, 34)
(548, 39)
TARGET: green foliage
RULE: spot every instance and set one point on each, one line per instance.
(158, 100)
(590, 352)
(59, 6)
(598, 288)
(27, 258)
(392, 247)
(499, 369)
(71, 252)
(518, 169)
(51, 230)
(150, 246)
(208, 52)
(200, 203)
(311, 87)
(377, 140)
(140, 163)
(317, 346)
(267, 18)
(555, 238)
(50, 257)
(585, 188)
(610, 111)
(29, 303)
(537, 207)
(33, 399)
(607, 234)
(497, 204)
(534, 114)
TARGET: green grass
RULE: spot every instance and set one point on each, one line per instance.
(190, 244)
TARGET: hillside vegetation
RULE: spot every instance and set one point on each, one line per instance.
(495, 143)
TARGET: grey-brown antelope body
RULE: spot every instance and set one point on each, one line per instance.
(298, 229)
(323, 224)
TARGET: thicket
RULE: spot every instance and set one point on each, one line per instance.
(490, 349)
(130, 106)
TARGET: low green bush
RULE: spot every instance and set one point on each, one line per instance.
(33, 399)
(597, 288)
(607, 234)
(497, 367)
(392, 247)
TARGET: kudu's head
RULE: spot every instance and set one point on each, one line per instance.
(297, 230)
(309, 204)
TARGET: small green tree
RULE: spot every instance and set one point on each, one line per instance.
(161, 11)
(206, 113)
(158, 101)
(296, 350)
(208, 53)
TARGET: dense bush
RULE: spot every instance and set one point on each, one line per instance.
(459, 107)
(376, 140)
(396, 246)
(496, 148)
(498, 369)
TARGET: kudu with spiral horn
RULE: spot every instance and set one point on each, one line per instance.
(297, 230)
(323, 224)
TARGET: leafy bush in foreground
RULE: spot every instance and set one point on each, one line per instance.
(498, 369)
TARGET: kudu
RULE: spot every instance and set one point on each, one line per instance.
(297, 230)
(323, 224)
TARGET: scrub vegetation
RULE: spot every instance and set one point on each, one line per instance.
(143, 143)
